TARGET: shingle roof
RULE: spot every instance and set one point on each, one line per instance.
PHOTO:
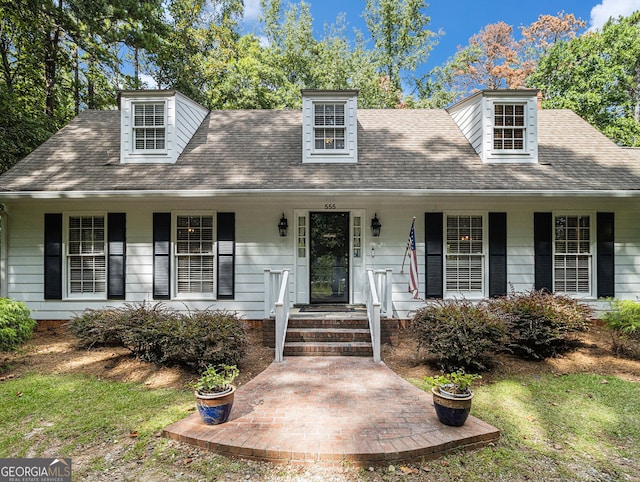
(262, 150)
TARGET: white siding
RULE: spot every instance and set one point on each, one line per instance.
(259, 247)
(189, 116)
(469, 119)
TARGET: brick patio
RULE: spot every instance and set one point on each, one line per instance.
(331, 409)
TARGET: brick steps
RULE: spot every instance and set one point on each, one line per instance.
(328, 336)
(328, 321)
(328, 348)
(343, 335)
(351, 323)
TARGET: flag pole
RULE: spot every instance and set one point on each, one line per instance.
(406, 250)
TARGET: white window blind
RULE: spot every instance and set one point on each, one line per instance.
(465, 256)
(86, 255)
(509, 127)
(149, 126)
(195, 260)
(329, 126)
(572, 260)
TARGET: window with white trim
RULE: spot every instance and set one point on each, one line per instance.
(572, 254)
(465, 253)
(329, 127)
(195, 256)
(509, 127)
(86, 255)
(149, 126)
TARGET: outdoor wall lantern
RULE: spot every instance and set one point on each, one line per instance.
(375, 226)
(283, 226)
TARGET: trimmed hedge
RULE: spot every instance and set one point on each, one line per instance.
(459, 334)
(16, 324)
(159, 334)
(541, 324)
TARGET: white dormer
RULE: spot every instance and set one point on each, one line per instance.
(329, 126)
(156, 125)
(501, 125)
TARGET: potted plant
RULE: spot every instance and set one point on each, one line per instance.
(452, 396)
(215, 392)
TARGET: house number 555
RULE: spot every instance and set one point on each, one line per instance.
(330, 206)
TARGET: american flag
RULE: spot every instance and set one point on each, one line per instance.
(413, 263)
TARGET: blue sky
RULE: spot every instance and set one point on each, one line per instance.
(460, 19)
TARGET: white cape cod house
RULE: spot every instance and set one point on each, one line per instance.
(165, 200)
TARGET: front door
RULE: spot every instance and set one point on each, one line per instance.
(329, 257)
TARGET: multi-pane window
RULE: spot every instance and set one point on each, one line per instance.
(302, 236)
(465, 253)
(149, 127)
(508, 127)
(86, 255)
(194, 254)
(572, 254)
(357, 236)
(329, 126)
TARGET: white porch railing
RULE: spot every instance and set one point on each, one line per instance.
(383, 283)
(373, 313)
(276, 284)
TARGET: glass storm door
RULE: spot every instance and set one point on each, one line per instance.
(329, 257)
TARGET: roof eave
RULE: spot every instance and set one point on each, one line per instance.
(131, 194)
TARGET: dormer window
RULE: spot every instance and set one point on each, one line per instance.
(329, 126)
(500, 125)
(156, 125)
(149, 127)
(509, 127)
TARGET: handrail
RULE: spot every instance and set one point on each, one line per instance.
(272, 281)
(383, 283)
(373, 313)
(282, 315)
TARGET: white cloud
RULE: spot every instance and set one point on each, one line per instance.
(611, 8)
(148, 81)
(251, 10)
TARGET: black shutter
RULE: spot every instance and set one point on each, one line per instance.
(53, 256)
(117, 234)
(543, 250)
(434, 260)
(226, 255)
(161, 256)
(605, 252)
(497, 254)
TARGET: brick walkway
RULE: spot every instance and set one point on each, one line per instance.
(331, 409)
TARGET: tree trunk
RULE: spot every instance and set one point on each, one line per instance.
(52, 40)
(76, 84)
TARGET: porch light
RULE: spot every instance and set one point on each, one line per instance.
(283, 225)
(375, 226)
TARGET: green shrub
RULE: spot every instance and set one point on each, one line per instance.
(459, 334)
(623, 318)
(16, 324)
(97, 327)
(159, 334)
(203, 337)
(541, 324)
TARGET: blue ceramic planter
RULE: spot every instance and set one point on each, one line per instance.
(215, 408)
(451, 411)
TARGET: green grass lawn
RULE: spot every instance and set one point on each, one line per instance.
(574, 427)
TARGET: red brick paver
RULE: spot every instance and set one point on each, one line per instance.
(331, 409)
